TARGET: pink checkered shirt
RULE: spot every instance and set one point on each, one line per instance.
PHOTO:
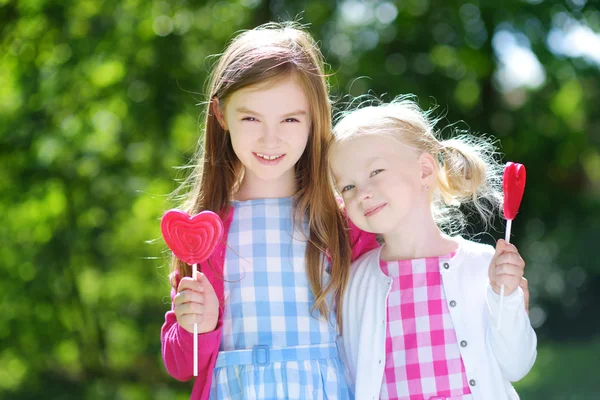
(422, 355)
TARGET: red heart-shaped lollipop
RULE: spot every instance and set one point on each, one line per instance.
(192, 239)
(513, 184)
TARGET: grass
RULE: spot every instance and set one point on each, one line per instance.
(564, 371)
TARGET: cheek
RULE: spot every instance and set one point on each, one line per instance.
(242, 133)
(398, 184)
(240, 144)
(382, 186)
(298, 137)
(235, 140)
(353, 212)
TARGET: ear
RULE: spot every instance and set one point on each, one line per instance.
(428, 168)
(217, 111)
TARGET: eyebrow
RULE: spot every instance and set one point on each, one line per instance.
(244, 110)
(370, 162)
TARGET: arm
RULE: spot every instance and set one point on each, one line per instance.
(177, 343)
(515, 343)
(177, 348)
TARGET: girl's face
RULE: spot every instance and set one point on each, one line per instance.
(269, 126)
(380, 180)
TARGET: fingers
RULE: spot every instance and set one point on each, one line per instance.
(196, 302)
(502, 246)
(524, 285)
(188, 296)
(188, 283)
(510, 264)
(189, 309)
(508, 267)
(510, 258)
(507, 260)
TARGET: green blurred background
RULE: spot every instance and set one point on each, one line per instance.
(99, 105)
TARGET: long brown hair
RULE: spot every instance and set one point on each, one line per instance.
(268, 52)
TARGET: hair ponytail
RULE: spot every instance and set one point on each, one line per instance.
(469, 174)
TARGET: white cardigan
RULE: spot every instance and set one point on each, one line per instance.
(493, 358)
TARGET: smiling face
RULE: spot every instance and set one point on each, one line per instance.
(269, 126)
(380, 179)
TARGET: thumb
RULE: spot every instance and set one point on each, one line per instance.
(500, 247)
(203, 280)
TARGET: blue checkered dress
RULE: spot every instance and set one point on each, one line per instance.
(272, 348)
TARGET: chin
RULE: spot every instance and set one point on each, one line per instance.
(381, 227)
(366, 226)
(271, 175)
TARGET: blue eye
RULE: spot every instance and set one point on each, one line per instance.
(377, 171)
(347, 187)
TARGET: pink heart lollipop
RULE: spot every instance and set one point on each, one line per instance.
(513, 184)
(192, 239)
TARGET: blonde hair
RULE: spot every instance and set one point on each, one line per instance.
(467, 169)
(262, 55)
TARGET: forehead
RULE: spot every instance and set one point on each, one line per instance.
(278, 93)
(358, 153)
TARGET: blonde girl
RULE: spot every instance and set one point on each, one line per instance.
(418, 311)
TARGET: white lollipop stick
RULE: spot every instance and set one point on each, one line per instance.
(195, 276)
(507, 239)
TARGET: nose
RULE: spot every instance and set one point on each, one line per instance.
(365, 192)
(270, 136)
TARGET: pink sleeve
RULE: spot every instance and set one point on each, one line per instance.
(177, 351)
(360, 241)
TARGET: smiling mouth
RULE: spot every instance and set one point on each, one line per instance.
(374, 210)
(268, 157)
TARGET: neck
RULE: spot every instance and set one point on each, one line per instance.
(413, 240)
(253, 187)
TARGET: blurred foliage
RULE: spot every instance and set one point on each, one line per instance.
(98, 104)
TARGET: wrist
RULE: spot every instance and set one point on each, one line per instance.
(207, 329)
(497, 289)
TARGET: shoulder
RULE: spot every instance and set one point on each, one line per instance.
(366, 266)
(367, 258)
(476, 250)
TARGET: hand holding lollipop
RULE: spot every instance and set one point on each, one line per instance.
(513, 184)
(192, 240)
